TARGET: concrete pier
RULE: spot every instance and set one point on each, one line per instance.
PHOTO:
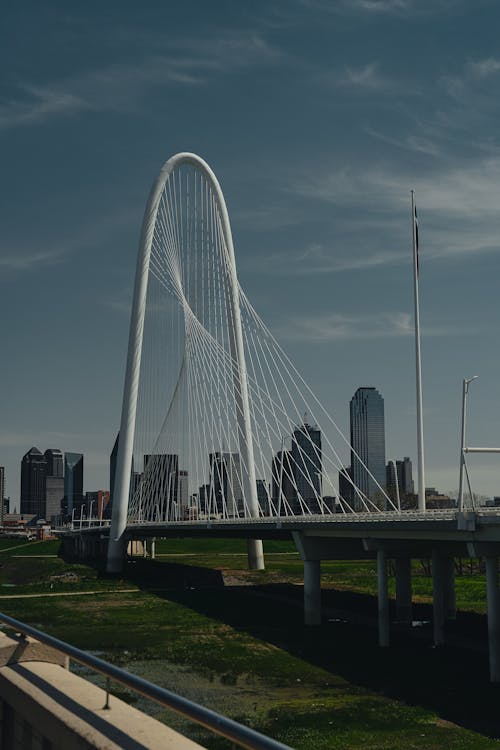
(312, 592)
(255, 552)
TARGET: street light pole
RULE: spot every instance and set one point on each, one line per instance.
(465, 390)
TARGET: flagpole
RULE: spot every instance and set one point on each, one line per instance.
(420, 427)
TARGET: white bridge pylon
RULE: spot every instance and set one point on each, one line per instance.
(216, 421)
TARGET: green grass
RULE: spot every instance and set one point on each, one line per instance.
(329, 687)
(302, 703)
(216, 546)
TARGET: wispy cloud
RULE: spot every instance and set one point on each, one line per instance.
(32, 260)
(458, 211)
(113, 88)
(120, 87)
(326, 327)
(466, 190)
(24, 258)
(318, 259)
(420, 144)
(476, 81)
(39, 103)
(484, 68)
(383, 7)
(380, 6)
(367, 76)
(363, 79)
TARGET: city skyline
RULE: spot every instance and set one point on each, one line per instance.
(318, 197)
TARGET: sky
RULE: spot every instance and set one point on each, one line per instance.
(318, 117)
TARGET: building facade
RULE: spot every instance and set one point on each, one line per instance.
(307, 466)
(54, 484)
(33, 483)
(226, 493)
(367, 444)
(161, 478)
(345, 484)
(55, 462)
(2, 493)
(283, 492)
(404, 477)
(73, 482)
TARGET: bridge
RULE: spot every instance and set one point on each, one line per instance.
(221, 435)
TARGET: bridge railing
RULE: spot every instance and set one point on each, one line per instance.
(214, 722)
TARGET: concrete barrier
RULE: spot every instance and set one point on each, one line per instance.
(44, 706)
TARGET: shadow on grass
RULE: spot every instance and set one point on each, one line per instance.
(451, 681)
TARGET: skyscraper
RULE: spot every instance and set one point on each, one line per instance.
(161, 477)
(263, 496)
(54, 483)
(2, 491)
(367, 442)
(404, 475)
(33, 483)
(307, 465)
(345, 484)
(55, 462)
(183, 493)
(73, 482)
(283, 483)
(226, 489)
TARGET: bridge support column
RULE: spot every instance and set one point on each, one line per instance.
(493, 617)
(450, 599)
(402, 567)
(312, 592)
(152, 548)
(438, 597)
(383, 599)
(255, 553)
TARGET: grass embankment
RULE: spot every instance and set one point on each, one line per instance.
(246, 653)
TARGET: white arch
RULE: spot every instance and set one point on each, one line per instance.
(129, 406)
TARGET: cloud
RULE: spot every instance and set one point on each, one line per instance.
(88, 237)
(472, 82)
(39, 104)
(318, 259)
(365, 77)
(458, 201)
(382, 8)
(120, 87)
(32, 261)
(323, 328)
(419, 144)
(113, 88)
(484, 68)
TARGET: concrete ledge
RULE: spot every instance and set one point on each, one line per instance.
(69, 712)
(16, 649)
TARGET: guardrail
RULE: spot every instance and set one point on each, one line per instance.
(449, 514)
(438, 514)
(216, 723)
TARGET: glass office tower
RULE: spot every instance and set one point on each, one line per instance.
(73, 482)
(368, 441)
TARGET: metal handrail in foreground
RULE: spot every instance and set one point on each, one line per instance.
(231, 730)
